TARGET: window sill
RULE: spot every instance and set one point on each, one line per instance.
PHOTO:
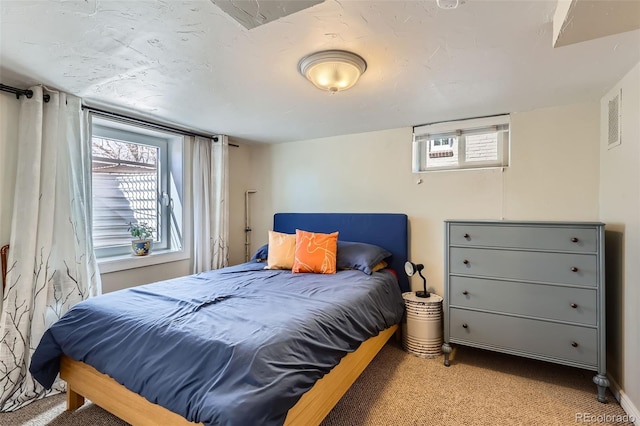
(462, 169)
(121, 263)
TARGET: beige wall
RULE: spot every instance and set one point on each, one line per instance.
(554, 169)
(132, 277)
(262, 210)
(620, 210)
(554, 176)
(239, 179)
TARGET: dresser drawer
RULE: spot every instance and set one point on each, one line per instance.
(525, 237)
(565, 268)
(576, 305)
(545, 339)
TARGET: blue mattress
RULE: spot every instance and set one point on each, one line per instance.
(236, 346)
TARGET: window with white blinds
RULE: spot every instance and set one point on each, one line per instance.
(463, 144)
(131, 171)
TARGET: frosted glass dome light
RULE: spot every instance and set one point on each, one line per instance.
(332, 70)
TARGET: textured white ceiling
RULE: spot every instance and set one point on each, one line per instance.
(190, 64)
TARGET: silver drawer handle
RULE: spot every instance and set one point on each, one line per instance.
(574, 306)
(574, 269)
(574, 240)
(574, 344)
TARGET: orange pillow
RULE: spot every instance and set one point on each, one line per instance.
(380, 266)
(282, 249)
(315, 252)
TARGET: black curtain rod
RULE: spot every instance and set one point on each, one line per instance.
(21, 92)
(29, 94)
(150, 123)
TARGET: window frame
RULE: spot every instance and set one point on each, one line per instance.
(425, 135)
(175, 169)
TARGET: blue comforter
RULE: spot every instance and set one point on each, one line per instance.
(235, 346)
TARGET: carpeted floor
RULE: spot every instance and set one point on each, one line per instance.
(480, 388)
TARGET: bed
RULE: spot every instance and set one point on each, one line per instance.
(240, 364)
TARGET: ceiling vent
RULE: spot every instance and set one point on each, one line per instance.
(253, 13)
(615, 121)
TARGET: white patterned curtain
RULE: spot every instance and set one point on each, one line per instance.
(51, 264)
(210, 203)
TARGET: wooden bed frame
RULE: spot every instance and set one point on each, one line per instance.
(84, 381)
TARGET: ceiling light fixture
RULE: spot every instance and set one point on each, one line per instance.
(332, 70)
(447, 4)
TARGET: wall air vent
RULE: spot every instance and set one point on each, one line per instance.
(615, 121)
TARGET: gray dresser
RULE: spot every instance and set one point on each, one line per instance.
(534, 289)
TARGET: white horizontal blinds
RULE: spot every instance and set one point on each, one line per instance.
(125, 189)
(462, 144)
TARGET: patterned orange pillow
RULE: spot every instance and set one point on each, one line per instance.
(315, 252)
(282, 249)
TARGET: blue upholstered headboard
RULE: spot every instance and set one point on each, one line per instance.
(387, 230)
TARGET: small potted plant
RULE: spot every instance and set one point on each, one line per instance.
(141, 246)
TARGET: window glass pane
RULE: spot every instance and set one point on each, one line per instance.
(481, 147)
(125, 189)
(444, 155)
